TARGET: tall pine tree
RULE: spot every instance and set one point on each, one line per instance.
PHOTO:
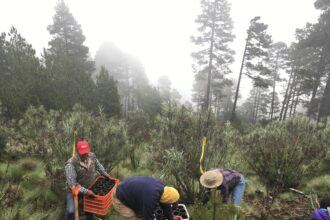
(21, 75)
(255, 57)
(213, 59)
(278, 60)
(67, 61)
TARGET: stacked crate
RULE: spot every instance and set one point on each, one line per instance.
(103, 188)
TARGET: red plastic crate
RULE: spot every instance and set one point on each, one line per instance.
(99, 204)
(98, 211)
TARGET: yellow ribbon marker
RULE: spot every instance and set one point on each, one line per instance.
(202, 155)
(74, 143)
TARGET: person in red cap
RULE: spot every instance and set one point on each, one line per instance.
(80, 169)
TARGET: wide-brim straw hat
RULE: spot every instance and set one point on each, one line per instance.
(211, 179)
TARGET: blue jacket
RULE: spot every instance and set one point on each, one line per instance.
(142, 194)
(320, 214)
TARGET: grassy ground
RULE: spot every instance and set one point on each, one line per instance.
(26, 193)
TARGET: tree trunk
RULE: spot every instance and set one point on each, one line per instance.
(256, 105)
(286, 95)
(233, 113)
(128, 90)
(296, 103)
(293, 99)
(289, 95)
(274, 84)
(316, 84)
(209, 75)
(324, 109)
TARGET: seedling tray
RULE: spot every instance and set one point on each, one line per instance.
(181, 210)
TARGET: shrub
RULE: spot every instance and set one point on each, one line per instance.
(216, 208)
(176, 147)
(139, 125)
(28, 164)
(49, 135)
(283, 152)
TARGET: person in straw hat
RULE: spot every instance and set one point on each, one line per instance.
(229, 182)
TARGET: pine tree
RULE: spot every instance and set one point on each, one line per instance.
(128, 71)
(21, 78)
(310, 56)
(324, 22)
(257, 106)
(322, 4)
(67, 61)
(106, 93)
(278, 60)
(175, 96)
(313, 43)
(213, 60)
(164, 87)
(255, 57)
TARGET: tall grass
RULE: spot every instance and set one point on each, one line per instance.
(319, 185)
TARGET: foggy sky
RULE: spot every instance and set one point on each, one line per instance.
(156, 31)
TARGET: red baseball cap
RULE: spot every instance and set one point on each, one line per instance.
(83, 147)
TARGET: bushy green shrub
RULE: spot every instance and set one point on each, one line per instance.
(28, 164)
(325, 165)
(281, 153)
(139, 126)
(49, 135)
(176, 150)
(221, 149)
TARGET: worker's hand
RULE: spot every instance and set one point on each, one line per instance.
(205, 196)
(90, 194)
(177, 217)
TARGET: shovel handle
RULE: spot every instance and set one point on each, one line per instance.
(76, 214)
(75, 191)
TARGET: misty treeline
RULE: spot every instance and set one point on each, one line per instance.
(288, 80)
(114, 82)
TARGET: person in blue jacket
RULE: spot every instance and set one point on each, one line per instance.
(323, 213)
(138, 197)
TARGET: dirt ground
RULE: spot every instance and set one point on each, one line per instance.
(297, 209)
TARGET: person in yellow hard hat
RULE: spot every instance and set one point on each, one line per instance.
(138, 197)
